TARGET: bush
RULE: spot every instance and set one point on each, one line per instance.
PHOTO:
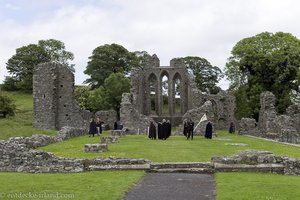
(7, 106)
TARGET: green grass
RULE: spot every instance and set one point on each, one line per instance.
(258, 186)
(174, 149)
(21, 123)
(89, 185)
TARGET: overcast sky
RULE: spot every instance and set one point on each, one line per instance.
(168, 28)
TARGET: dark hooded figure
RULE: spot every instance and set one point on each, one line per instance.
(159, 131)
(185, 127)
(208, 130)
(115, 125)
(93, 128)
(190, 129)
(152, 131)
(231, 128)
(169, 128)
(164, 129)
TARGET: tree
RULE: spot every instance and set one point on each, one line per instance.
(55, 49)
(21, 65)
(206, 76)
(107, 59)
(265, 62)
(81, 94)
(7, 106)
(109, 95)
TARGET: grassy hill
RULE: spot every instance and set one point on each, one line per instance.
(21, 123)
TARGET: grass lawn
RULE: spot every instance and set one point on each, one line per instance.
(89, 185)
(174, 149)
(258, 186)
(21, 123)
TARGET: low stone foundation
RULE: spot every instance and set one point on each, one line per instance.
(109, 139)
(118, 133)
(95, 148)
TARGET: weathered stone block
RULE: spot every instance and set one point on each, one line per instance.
(109, 139)
(95, 147)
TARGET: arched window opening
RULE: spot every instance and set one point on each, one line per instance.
(152, 95)
(165, 94)
(177, 95)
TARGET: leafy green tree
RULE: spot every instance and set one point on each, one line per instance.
(206, 76)
(109, 95)
(20, 66)
(7, 106)
(107, 59)
(265, 62)
(56, 50)
(81, 94)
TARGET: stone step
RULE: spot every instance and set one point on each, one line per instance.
(118, 167)
(181, 165)
(184, 170)
(274, 168)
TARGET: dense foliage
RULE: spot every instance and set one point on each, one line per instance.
(20, 66)
(7, 106)
(109, 95)
(265, 62)
(108, 59)
(206, 76)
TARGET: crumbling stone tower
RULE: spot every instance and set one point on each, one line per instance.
(54, 104)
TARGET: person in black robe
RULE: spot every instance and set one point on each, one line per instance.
(159, 131)
(208, 130)
(115, 125)
(190, 129)
(169, 128)
(185, 127)
(164, 129)
(93, 128)
(231, 128)
(152, 131)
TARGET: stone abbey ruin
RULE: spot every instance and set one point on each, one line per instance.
(158, 92)
(169, 92)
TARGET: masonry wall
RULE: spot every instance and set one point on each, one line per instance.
(191, 98)
(54, 104)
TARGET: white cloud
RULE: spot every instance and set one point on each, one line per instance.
(169, 28)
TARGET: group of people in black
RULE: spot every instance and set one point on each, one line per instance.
(95, 127)
(163, 130)
(188, 128)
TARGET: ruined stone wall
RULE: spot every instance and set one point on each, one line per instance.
(54, 104)
(284, 128)
(191, 98)
(133, 121)
(109, 117)
(19, 155)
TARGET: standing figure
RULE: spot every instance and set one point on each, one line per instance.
(164, 129)
(159, 131)
(93, 128)
(208, 130)
(116, 125)
(190, 129)
(185, 127)
(169, 128)
(98, 125)
(231, 128)
(152, 131)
